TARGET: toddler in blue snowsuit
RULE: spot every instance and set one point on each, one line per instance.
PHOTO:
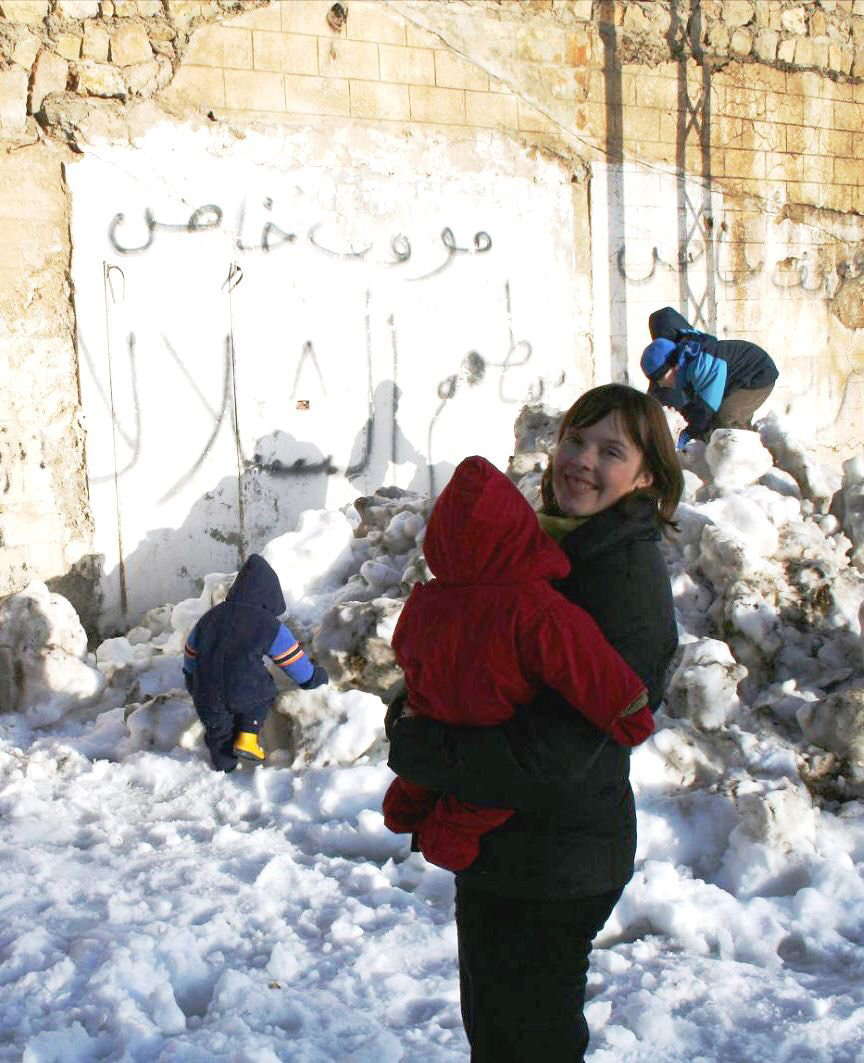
(223, 664)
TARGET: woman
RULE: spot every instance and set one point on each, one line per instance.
(546, 881)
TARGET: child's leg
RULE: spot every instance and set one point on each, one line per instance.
(219, 736)
(246, 731)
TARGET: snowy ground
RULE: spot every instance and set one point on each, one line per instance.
(155, 910)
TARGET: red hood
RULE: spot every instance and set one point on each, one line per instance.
(482, 530)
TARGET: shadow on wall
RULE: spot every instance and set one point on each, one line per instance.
(239, 515)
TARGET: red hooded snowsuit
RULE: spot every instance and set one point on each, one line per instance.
(486, 635)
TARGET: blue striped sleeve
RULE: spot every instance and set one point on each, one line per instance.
(190, 651)
(288, 654)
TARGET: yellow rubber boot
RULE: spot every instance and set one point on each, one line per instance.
(246, 745)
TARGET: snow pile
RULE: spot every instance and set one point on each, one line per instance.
(156, 909)
(44, 670)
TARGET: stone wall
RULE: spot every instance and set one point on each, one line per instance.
(760, 105)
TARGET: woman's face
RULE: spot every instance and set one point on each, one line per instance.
(595, 466)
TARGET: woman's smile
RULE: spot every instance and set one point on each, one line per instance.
(595, 466)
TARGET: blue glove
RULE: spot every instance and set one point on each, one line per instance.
(187, 679)
(684, 438)
(318, 678)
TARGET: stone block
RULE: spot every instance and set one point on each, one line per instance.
(369, 20)
(818, 25)
(26, 49)
(201, 86)
(317, 95)
(741, 42)
(31, 185)
(438, 106)
(784, 166)
(635, 20)
(546, 45)
(78, 8)
(407, 66)
(13, 99)
(491, 110)
(786, 50)
(784, 107)
(794, 20)
(838, 142)
(50, 74)
(144, 79)
(374, 99)
(28, 12)
(420, 38)
(840, 58)
(261, 18)
(348, 59)
(99, 79)
(533, 121)
(130, 45)
(579, 48)
(847, 171)
(285, 53)
(743, 163)
(848, 116)
(220, 46)
(307, 16)
(126, 8)
(642, 123)
(96, 42)
(858, 64)
(454, 72)
(765, 45)
(802, 139)
(150, 8)
(254, 90)
(656, 92)
(738, 12)
(68, 45)
(819, 168)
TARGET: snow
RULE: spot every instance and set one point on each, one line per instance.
(154, 910)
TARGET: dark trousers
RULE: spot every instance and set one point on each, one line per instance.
(523, 968)
(737, 409)
(221, 726)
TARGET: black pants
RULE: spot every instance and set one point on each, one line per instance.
(523, 968)
(221, 725)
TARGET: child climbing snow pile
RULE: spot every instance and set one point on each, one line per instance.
(223, 664)
(485, 635)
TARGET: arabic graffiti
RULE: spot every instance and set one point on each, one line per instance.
(792, 272)
(210, 217)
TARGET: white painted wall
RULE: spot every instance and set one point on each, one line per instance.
(249, 384)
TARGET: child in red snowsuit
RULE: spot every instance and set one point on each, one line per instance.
(485, 635)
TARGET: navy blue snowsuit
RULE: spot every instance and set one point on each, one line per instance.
(224, 659)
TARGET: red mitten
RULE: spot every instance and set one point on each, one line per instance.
(406, 805)
(634, 729)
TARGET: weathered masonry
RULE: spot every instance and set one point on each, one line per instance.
(259, 257)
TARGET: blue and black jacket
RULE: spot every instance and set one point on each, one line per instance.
(708, 369)
(223, 656)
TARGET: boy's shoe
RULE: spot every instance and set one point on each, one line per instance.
(246, 746)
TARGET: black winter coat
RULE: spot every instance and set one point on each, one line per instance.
(749, 365)
(232, 639)
(574, 834)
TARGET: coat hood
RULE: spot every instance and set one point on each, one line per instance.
(482, 530)
(667, 323)
(257, 585)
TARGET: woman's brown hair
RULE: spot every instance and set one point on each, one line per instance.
(643, 420)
